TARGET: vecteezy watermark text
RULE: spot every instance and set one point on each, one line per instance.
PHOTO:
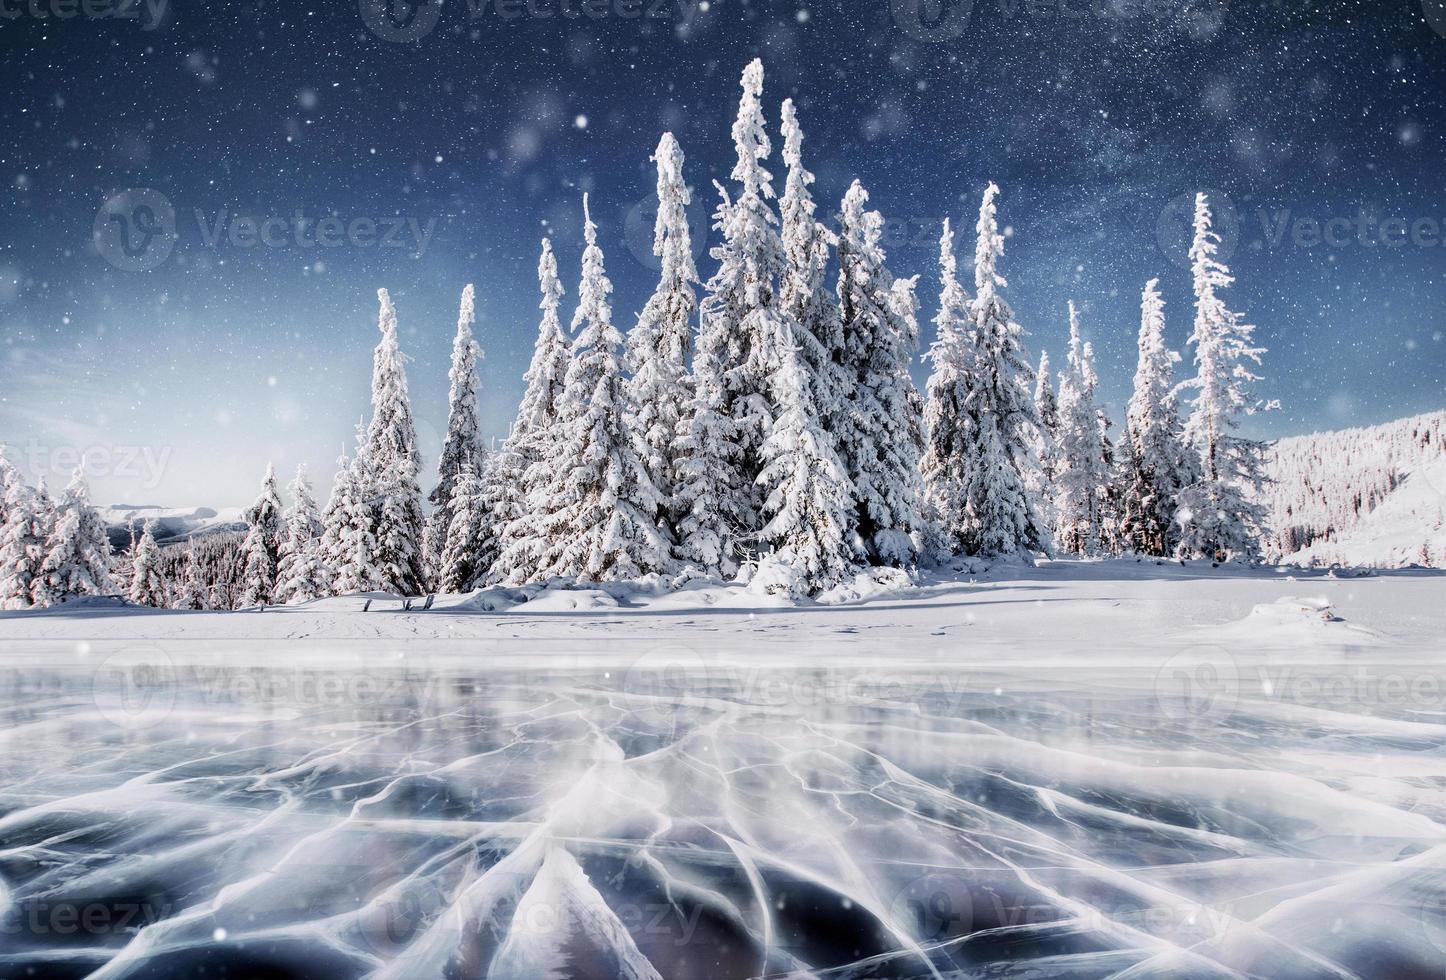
(302, 231)
(936, 21)
(143, 464)
(1365, 230)
(36, 918)
(137, 229)
(409, 21)
(150, 14)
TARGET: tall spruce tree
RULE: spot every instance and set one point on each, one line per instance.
(1083, 476)
(357, 566)
(1217, 516)
(516, 480)
(660, 342)
(195, 592)
(262, 547)
(598, 522)
(22, 543)
(301, 574)
(1112, 506)
(77, 551)
(47, 512)
(880, 435)
(394, 461)
(1003, 423)
(148, 585)
(464, 557)
(805, 300)
(1155, 464)
(741, 307)
(948, 445)
(714, 498)
(1046, 446)
(808, 498)
(333, 522)
(8, 477)
(463, 445)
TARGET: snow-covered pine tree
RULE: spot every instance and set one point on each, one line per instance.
(948, 443)
(741, 305)
(660, 342)
(516, 479)
(1218, 517)
(803, 294)
(880, 433)
(394, 461)
(77, 551)
(489, 528)
(1082, 475)
(47, 512)
(333, 521)
(1155, 465)
(22, 543)
(8, 477)
(263, 542)
(194, 593)
(1040, 481)
(267, 514)
(909, 511)
(302, 519)
(259, 577)
(301, 574)
(9, 480)
(123, 563)
(807, 496)
(1001, 410)
(356, 567)
(148, 586)
(1112, 538)
(463, 445)
(464, 555)
(598, 512)
(713, 498)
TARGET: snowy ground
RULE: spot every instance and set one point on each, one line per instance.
(1080, 770)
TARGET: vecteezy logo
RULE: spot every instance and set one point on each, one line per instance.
(135, 230)
(933, 21)
(1175, 226)
(1200, 685)
(135, 688)
(935, 908)
(391, 921)
(638, 226)
(400, 21)
(670, 689)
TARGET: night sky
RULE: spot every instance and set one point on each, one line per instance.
(1092, 115)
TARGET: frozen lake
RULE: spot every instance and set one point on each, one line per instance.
(601, 809)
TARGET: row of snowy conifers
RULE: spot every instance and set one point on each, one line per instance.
(790, 441)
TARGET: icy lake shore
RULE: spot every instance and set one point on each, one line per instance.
(1081, 769)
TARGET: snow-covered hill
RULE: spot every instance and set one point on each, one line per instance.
(1366, 496)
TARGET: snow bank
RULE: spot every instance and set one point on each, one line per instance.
(1292, 621)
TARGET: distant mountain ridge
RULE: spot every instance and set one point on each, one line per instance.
(1373, 495)
(173, 524)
